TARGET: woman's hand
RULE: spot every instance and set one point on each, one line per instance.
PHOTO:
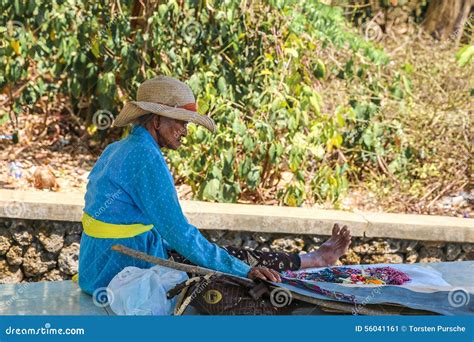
(264, 273)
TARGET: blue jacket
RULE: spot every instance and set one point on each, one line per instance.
(131, 183)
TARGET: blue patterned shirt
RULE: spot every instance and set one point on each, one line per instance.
(131, 183)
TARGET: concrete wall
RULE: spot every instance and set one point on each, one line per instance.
(40, 233)
(37, 250)
(40, 205)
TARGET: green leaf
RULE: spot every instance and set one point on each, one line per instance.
(465, 55)
(231, 192)
(227, 169)
(367, 138)
(95, 48)
(340, 119)
(292, 52)
(238, 127)
(272, 153)
(222, 85)
(200, 134)
(409, 69)
(318, 151)
(212, 190)
(244, 167)
(315, 101)
(4, 118)
(203, 106)
(320, 70)
(248, 144)
(162, 9)
(253, 178)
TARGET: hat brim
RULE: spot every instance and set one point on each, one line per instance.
(134, 109)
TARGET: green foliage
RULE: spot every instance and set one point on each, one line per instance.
(465, 55)
(256, 68)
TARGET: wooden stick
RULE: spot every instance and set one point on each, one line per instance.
(173, 264)
(340, 306)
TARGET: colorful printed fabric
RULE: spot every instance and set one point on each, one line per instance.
(315, 288)
(348, 275)
(344, 275)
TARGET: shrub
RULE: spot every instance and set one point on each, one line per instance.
(257, 68)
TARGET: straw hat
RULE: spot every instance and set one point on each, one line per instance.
(164, 96)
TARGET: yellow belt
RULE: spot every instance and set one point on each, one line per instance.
(104, 230)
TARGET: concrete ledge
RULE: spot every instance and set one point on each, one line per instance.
(420, 227)
(261, 218)
(41, 205)
(38, 205)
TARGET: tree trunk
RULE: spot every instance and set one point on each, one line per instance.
(141, 10)
(445, 19)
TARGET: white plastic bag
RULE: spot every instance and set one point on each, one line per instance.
(137, 291)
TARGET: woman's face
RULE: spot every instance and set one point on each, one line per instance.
(169, 131)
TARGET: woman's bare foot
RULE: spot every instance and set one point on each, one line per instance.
(330, 251)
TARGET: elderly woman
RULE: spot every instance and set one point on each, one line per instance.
(131, 200)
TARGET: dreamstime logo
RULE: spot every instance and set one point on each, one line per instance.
(14, 209)
(46, 330)
(180, 133)
(14, 29)
(454, 36)
(18, 293)
(102, 119)
(280, 297)
(458, 297)
(358, 307)
(124, 274)
(402, 28)
(102, 297)
(372, 31)
(191, 32)
(202, 284)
